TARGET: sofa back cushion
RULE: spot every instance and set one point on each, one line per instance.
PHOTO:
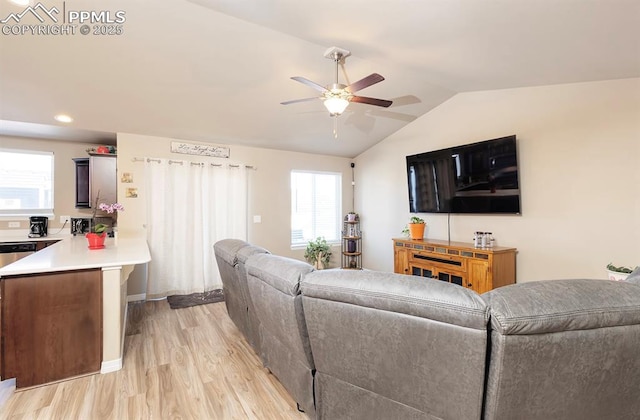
(566, 349)
(395, 346)
(244, 253)
(274, 286)
(226, 251)
(251, 329)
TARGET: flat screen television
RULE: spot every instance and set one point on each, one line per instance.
(475, 178)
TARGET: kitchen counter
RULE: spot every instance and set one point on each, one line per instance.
(107, 270)
(22, 235)
(72, 253)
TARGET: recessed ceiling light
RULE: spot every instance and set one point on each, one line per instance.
(63, 118)
(20, 2)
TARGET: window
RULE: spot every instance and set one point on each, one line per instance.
(26, 183)
(316, 205)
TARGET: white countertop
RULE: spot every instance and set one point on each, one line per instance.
(18, 236)
(73, 253)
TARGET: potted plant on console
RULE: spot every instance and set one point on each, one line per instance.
(318, 253)
(415, 228)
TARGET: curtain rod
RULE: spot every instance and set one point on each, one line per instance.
(180, 162)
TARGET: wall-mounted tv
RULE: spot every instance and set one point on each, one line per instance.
(475, 178)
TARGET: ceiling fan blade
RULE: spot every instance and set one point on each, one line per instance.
(371, 79)
(309, 83)
(372, 101)
(294, 101)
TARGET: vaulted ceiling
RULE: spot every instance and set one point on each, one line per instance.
(216, 70)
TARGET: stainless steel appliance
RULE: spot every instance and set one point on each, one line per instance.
(38, 226)
(13, 251)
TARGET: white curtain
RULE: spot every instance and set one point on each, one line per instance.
(190, 207)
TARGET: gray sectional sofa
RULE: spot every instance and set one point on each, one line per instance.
(351, 344)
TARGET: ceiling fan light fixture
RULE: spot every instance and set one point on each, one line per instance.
(336, 96)
(63, 118)
(336, 105)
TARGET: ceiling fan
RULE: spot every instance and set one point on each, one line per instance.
(336, 96)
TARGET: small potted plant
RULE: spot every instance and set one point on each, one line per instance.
(352, 216)
(98, 230)
(97, 236)
(618, 273)
(415, 228)
(318, 253)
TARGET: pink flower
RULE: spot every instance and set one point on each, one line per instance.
(111, 208)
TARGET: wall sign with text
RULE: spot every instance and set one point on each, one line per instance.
(200, 149)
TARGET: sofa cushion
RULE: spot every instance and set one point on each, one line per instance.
(562, 305)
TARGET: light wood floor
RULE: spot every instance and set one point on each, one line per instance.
(178, 364)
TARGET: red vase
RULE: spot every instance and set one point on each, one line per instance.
(96, 240)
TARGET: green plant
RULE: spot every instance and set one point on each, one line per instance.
(99, 228)
(412, 220)
(318, 249)
(621, 269)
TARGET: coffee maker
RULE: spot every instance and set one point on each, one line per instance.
(38, 226)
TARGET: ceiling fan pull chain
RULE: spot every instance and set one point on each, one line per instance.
(335, 126)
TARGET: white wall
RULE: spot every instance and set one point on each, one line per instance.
(579, 156)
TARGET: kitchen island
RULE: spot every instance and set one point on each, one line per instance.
(63, 309)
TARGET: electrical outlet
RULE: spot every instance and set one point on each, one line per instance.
(14, 224)
(65, 219)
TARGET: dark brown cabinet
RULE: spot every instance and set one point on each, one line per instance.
(43, 244)
(51, 326)
(82, 183)
(95, 175)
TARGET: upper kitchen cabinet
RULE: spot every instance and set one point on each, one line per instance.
(95, 175)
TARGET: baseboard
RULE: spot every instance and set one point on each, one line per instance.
(111, 366)
(136, 298)
(7, 388)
